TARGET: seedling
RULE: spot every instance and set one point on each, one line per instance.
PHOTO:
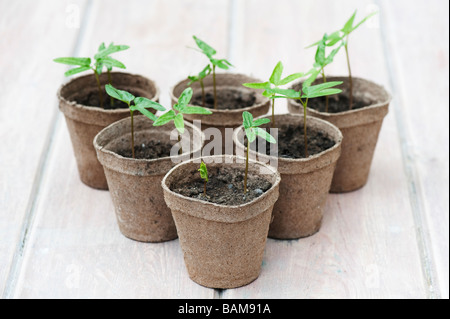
(274, 82)
(221, 63)
(141, 104)
(101, 59)
(199, 77)
(321, 60)
(343, 35)
(307, 92)
(252, 131)
(176, 115)
(204, 175)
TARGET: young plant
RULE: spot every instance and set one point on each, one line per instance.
(176, 114)
(221, 63)
(343, 35)
(275, 81)
(141, 104)
(204, 175)
(101, 59)
(322, 60)
(199, 77)
(307, 92)
(252, 131)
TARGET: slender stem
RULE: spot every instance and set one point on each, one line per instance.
(273, 113)
(214, 86)
(132, 134)
(350, 80)
(246, 167)
(204, 188)
(203, 93)
(326, 97)
(100, 95)
(180, 151)
(109, 81)
(305, 105)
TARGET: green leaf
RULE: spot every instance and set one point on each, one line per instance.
(110, 63)
(179, 123)
(195, 110)
(74, 61)
(259, 122)
(263, 85)
(221, 63)
(251, 135)
(165, 118)
(206, 71)
(101, 47)
(144, 111)
(185, 97)
(291, 78)
(334, 38)
(265, 135)
(207, 50)
(275, 78)
(290, 93)
(110, 50)
(364, 20)
(348, 27)
(321, 86)
(77, 70)
(146, 103)
(324, 92)
(267, 94)
(333, 53)
(320, 52)
(121, 95)
(311, 79)
(248, 119)
(203, 172)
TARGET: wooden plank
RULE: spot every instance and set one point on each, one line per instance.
(367, 246)
(424, 118)
(75, 247)
(29, 41)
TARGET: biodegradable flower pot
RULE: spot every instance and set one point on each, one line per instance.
(223, 245)
(305, 182)
(135, 184)
(360, 128)
(84, 122)
(223, 118)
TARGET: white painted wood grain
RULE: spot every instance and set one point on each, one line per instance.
(32, 33)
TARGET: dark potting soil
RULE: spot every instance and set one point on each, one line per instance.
(92, 99)
(227, 99)
(336, 103)
(149, 150)
(291, 142)
(225, 186)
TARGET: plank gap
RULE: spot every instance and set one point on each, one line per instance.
(27, 224)
(410, 170)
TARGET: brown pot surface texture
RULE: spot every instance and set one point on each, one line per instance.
(223, 118)
(360, 128)
(135, 184)
(305, 182)
(84, 122)
(223, 245)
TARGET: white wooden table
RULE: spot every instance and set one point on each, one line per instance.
(59, 238)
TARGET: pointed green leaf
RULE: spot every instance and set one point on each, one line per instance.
(275, 78)
(121, 95)
(221, 63)
(364, 20)
(324, 92)
(101, 47)
(334, 38)
(77, 70)
(110, 63)
(349, 24)
(263, 85)
(192, 79)
(203, 171)
(248, 119)
(206, 71)
(267, 94)
(146, 103)
(144, 111)
(265, 135)
(110, 50)
(207, 50)
(311, 79)
(74, 61)
(165, 118)
(259, 122)
(291, 78)
(195, 110)
(185, 97)
(251, 135)
(290, 93)
(179, 123)
(320, 52)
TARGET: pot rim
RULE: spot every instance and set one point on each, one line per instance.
(98, 109)
(266, 194)
(348, 112)
(332, 149)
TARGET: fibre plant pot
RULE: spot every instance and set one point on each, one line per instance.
(78, 101)
(305, 182)
(223, 245)
(135, 184)
(360, 128)
(229, 113)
